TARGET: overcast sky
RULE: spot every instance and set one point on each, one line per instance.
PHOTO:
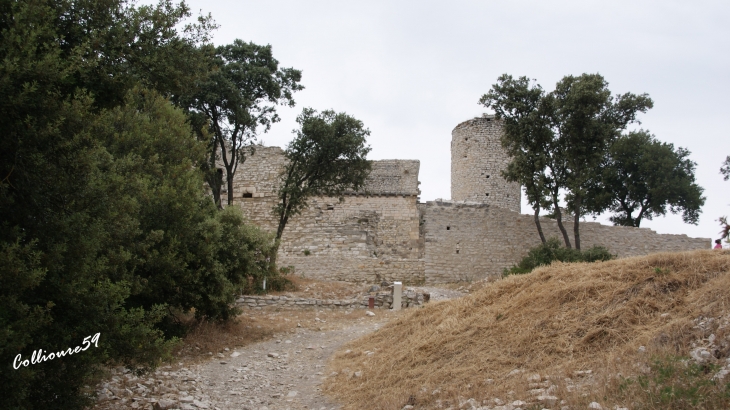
(413, 70)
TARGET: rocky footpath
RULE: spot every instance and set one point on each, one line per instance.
(284, 373)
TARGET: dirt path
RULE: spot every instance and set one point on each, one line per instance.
(280, 374)
(284, 372)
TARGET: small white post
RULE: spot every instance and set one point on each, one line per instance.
(397, 292)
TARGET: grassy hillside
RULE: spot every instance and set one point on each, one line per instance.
(617, 333)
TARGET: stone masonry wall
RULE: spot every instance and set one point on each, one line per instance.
(392, 177)
(468, 241)
(369, 237)
(382, 300)
(382, 233)
(477, 160)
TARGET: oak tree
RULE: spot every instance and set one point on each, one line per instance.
(326, 158)
(588, 119)
(105, 226)
(566, 132)
(642, 178)
(237, 100)
(527, 138)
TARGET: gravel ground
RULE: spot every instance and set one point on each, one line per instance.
(283, 373)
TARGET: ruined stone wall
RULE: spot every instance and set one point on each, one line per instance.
(369, 237)
(477, 160)
(363, 239)
(392, 177)
(382, 300)
(468, 241)
(382, 233)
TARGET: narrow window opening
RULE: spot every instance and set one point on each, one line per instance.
(448, 228)
(487, 193)
(457, 251)
(487, 176)
(330, 207)
(247, 195)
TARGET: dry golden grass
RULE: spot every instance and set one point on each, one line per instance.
(553, 321)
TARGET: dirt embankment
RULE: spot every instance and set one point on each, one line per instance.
(613, 334)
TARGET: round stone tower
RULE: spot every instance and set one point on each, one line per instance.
(477, 160)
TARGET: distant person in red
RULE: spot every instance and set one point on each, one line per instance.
(718, 245)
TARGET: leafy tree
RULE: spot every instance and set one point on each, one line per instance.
(105, 226)
(187, 256)
(569, 130)
(240, 93)
(76, 238)
(528, 140)
(725, 168)
(648, 177)
(588, 120)
(326, 158)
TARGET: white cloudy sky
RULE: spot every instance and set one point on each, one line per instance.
(412, 70)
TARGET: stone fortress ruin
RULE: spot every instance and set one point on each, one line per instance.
(383, 232)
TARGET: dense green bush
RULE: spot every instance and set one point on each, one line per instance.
(105, 226)
(276, 281)
(550, 251)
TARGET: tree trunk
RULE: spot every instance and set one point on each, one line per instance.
(230, 188)
(636, 222)
(214, 176)
(215, 182)
(559, 218)
(537, 224)
(576, 221)
(280, 229)
(283, 219)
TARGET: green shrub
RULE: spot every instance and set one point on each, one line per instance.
(279, 282)
(550, 251)
(105, 220)
(276, 281)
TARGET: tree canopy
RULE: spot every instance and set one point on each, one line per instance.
(105, 225)
(236, 98)
(558, 139)
(522, 108)
(642, 178)
(326, 158)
